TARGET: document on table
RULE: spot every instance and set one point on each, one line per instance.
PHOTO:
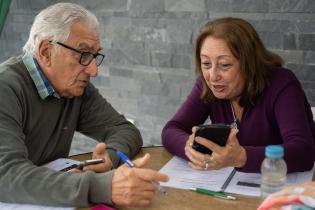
(62, 164)
(57, 165)
(11, 206)
(227, 179)
(184, 177)
(249, 183)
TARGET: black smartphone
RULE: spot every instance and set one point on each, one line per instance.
(218, 133)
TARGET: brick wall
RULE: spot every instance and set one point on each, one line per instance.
(149, 45)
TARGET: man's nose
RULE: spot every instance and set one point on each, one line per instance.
(92, 69)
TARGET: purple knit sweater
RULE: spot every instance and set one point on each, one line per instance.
(281, 115)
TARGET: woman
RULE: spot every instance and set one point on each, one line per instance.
(241, 82)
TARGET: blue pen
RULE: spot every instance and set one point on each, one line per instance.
(125, 159)
(130, 164)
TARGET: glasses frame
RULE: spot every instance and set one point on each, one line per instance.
(94, 56)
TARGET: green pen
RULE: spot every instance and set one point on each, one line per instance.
(213, 193)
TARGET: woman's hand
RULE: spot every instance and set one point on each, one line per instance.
(233, 154)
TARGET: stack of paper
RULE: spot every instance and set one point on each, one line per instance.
(226, 179)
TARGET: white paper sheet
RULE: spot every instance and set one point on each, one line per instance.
(10, 206)
(254, 179)
(182, 176)
(250, 178)
(61, 163)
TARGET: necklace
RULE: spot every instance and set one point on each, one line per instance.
(236, 122)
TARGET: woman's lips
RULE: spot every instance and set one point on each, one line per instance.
(218, 88)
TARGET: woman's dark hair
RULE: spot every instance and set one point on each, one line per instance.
(255, 60)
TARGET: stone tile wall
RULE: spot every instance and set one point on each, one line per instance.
(149, 47)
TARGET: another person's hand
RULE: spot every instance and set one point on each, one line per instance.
(133, 186)
(233, 154)
(99, 152)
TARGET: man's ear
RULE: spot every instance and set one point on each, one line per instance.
(44, 53)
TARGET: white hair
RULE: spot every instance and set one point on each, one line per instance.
(54, 23)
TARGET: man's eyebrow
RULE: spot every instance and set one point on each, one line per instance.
(85, 46)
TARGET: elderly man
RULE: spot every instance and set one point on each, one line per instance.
(46, 95)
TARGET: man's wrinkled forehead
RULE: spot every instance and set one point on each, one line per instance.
(84, 37)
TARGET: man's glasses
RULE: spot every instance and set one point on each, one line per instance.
(86, 57)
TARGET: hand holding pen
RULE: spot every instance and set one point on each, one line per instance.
(99, 163)
(132, 165)
(100, 152)
(133, 186)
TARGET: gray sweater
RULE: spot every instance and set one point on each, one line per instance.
(35, 131)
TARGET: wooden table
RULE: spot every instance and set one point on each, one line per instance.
(184, 199)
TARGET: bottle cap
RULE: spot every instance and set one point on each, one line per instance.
(274, 151)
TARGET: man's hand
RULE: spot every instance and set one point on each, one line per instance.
(133, 186)
(99, 152)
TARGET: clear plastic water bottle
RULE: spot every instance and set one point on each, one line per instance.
(273, 171)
